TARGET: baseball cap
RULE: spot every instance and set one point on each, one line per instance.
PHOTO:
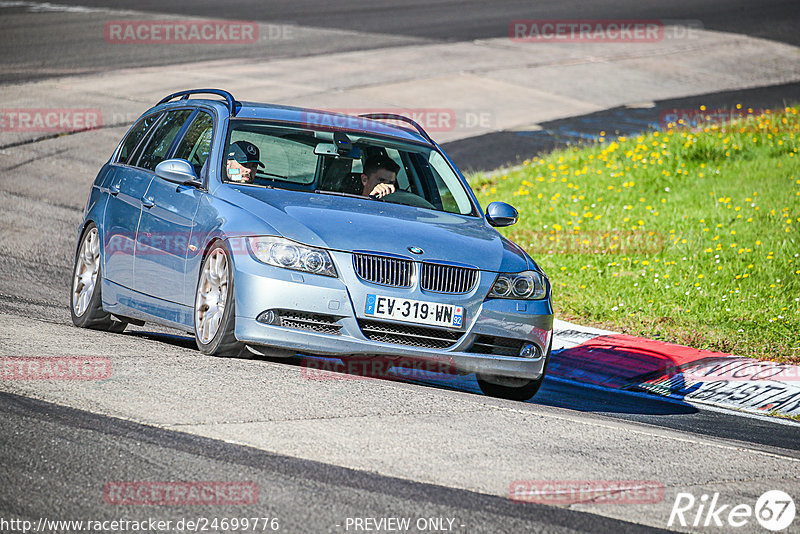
(244, 152)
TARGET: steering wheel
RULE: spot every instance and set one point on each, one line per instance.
(407, 199)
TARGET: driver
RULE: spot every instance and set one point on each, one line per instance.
(243, 162)
(379, 177)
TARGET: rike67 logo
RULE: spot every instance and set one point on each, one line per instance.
(774, 510)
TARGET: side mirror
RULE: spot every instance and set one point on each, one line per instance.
(501, 214)
(178, 171)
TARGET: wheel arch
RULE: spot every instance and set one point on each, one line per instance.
(82, 231)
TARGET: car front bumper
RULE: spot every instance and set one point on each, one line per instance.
(260, 287)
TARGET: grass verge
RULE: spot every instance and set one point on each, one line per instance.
(690, 236)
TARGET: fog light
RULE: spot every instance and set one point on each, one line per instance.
(268, 317)
(529, 351)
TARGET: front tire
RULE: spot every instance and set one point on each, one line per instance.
(86, 302)
(214, 305)
(518, 389)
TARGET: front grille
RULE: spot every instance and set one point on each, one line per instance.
(448, 278)
(316, 322)
(384, 270)
(500, 346)
(415, 336)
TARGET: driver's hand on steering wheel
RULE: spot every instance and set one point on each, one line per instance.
(381, 190)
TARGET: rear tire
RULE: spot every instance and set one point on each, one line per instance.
(86, 302)
(517, 389)
(214, 305)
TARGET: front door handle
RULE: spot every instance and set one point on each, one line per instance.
(114, 189)
(148, 202)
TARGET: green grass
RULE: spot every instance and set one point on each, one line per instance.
(688, 236)
(784, 416)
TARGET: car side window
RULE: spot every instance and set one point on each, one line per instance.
(160, 142)
(402, 178)
(136, 134)
(196, 143)
(453, 197)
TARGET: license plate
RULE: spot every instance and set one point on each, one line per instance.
(414, 311)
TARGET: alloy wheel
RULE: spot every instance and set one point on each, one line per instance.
(212, 294)
(88, 265)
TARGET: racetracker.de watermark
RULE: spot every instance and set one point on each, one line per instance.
(431, 119)
(150, 525)
(181, 493)
(50, 120)
(590, 241)
(700, 118)
(741, 371)
(55, 368)
(561, 492)
(180, 32)
(376, 368)
(601, 30)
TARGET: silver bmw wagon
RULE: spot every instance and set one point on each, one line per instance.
(296, 231)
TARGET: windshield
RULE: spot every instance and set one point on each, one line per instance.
(342, 163)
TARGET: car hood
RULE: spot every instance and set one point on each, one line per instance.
(349, 224)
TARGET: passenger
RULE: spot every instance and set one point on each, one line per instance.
(379, 177)
(243, 162)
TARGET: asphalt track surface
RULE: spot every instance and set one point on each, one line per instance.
(58, 458)
(63, 43)
(305, 496)
(456, 20)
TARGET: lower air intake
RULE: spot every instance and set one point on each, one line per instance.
(413, 336)
(314, 322)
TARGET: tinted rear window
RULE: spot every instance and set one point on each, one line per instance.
(196, 143)
(136, 134)
(162, 138)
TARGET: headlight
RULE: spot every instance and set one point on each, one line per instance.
(290, 255)
(527, 285)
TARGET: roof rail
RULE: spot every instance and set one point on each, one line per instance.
(393, 116)
(219, 92)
